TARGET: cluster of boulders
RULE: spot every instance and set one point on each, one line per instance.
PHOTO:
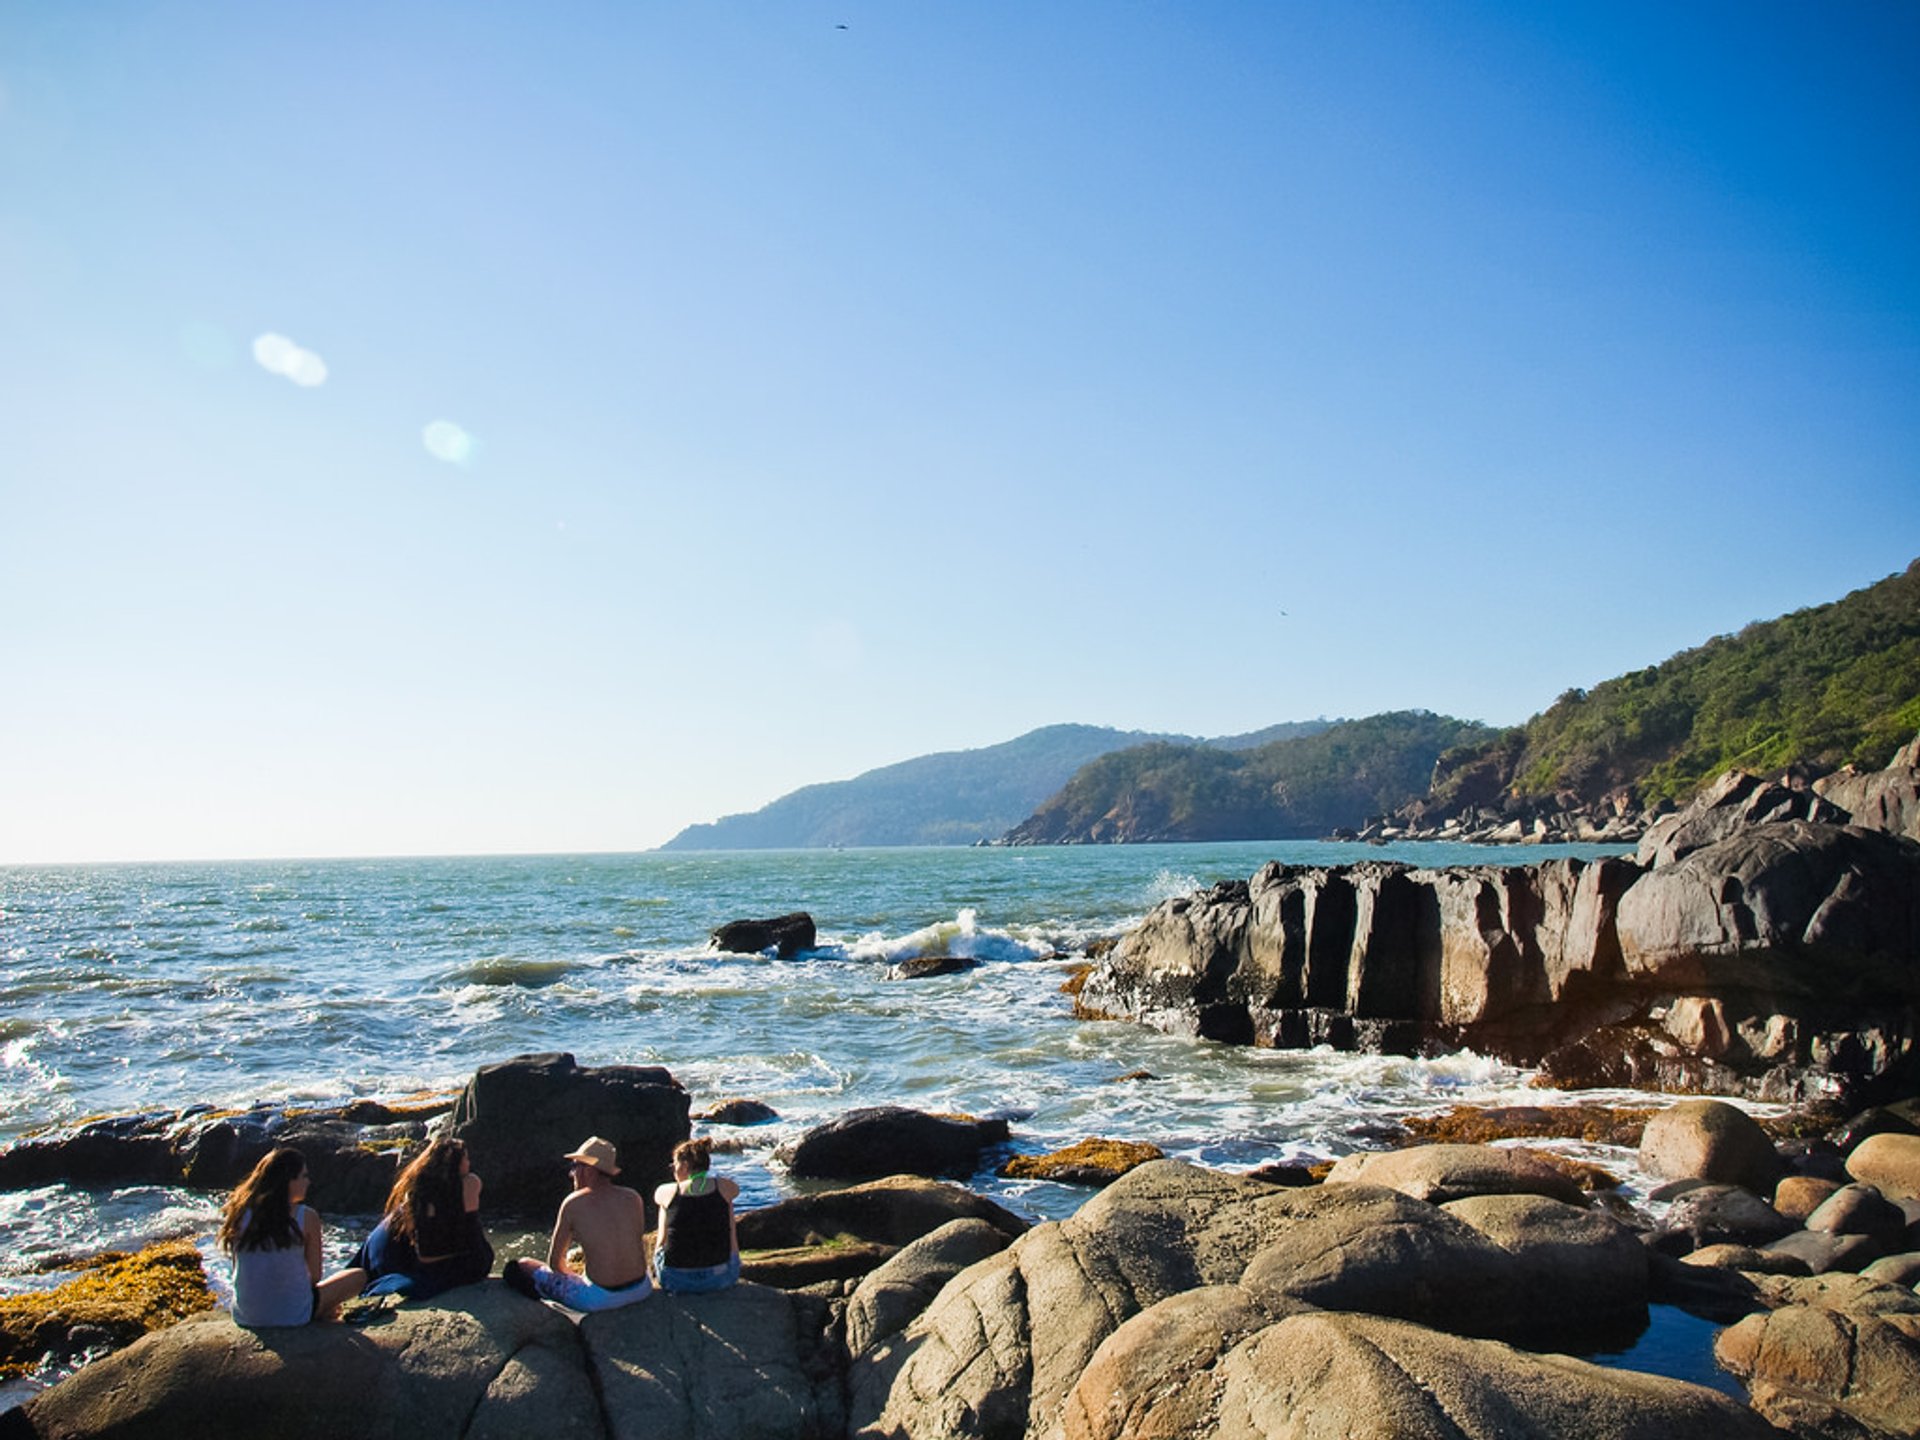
(518, 1119)
(1753, 945)
(1437, 1289)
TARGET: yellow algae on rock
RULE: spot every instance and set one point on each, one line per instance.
(1090, 1162)
(123, 1296)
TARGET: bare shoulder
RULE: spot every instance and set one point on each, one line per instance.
(662, 1194)
(728, 1189)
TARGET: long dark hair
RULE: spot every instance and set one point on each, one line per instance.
(259, 1214)
(429, 1185)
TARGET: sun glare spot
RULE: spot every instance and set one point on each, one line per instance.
(447, 441)
(280, 356)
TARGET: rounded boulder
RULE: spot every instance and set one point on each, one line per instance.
(1710, 1140)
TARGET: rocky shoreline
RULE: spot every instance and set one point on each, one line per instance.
(1761, 943)
(1766, 943)
(1436, 1289)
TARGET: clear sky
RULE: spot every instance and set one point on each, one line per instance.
(432, 428)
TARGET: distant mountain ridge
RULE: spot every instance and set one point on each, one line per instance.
(957, 797)
(1292, 787)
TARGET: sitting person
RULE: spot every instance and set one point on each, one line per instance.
(698, 1249)
(431, 1238)
(274, 1239)
(610, 1223)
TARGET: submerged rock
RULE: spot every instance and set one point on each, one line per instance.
(1086, 1162)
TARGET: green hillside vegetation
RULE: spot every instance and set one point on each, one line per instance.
(1821, 687)
(1305, 786)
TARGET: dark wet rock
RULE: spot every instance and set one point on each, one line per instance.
(1726, 1214)
(1735, 802)
(1711, 1292)
(1710, 1140)
(1876, 1120)
(1824, 1254)
(892, 1140)
(520, 1118)
(895, 1211)
(738, 1112)
(1291, 1176)
(926, 967)
(1817, 1159)
(785, 935)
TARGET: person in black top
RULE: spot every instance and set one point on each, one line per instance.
(697, 1249)
(431, 1238)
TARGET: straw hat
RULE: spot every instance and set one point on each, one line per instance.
(598, 1153)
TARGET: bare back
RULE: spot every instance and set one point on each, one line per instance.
(609, 1223)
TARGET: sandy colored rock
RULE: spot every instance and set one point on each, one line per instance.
(1439, 1173)
(1710, 1140)
(1562, 1250)
(1901, 1269)
(1866, 1367)
(890, 1298)
(1889, 1163)
(1798, 1196)
(1351, 1377)
(480, 1361)
(1746, 1257)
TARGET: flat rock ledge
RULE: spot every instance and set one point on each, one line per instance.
(1178, 1301)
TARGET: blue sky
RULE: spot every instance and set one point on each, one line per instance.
(820, 385)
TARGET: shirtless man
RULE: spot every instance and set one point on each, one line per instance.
(609, 1222)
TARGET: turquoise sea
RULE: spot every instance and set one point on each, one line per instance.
(157, 986)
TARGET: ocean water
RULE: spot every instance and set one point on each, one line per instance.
(147, 987)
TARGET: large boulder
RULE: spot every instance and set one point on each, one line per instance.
(1310, 1376)
(1439, 1173)
(480, 1364)
(895, 1211)
(521, 1117)
(745, 1361)
(1563, 1250)
(1822, 1371)
(1710, 1140)
(892, 1296)
(1886, 799)
(891, 1140)
(1005, 1342)
(1889, 1163)
(1724, 1215)
(1862, 1210)
(1735, 802)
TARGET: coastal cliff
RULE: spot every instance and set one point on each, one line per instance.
(1756, 944)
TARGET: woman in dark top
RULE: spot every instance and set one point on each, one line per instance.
(697, 1248)
(431, 1238)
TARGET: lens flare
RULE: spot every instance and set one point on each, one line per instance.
(449, 442)
(278, 355)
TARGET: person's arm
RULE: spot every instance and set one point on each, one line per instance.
(732, 1192)
(470, 1190)
(662, 1196)
(310, 1237)
(562, 1237)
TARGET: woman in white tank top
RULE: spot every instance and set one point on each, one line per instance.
(274, 1239)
